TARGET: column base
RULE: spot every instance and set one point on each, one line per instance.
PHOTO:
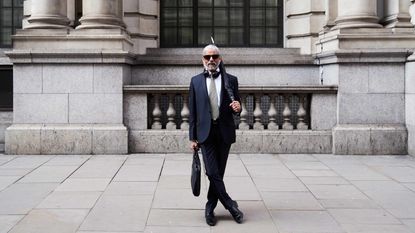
(66, 139)
(350, 139)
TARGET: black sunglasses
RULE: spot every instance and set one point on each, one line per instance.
(207, 57)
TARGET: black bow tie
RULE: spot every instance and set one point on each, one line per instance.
(214, 74)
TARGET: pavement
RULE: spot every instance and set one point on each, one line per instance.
(150, 193)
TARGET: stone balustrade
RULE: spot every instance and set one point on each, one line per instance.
(263, 108)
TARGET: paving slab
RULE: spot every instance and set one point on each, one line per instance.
(349, 204)
(301, 165)
(264, 184)
(21, 198)
(247, 191)
(7, 222)
(314, 173)
(96, 167)
(15, 171)
(49, 174)
(269, 171)
(31, 161)
(410, 223)
(175, 229)
(307, 180)
(178, 199)
(65, 160)
(118, 213)
(336, 191)
(6, 181)
(84, 184)
(6, 158)
(363, 216)
(139, 173)
(305, 222)
(70, 200)
(176, 217)
(179, 182)
(51, 221)
(256, 219)
(375, 228)
(131, 188)
(290, 201)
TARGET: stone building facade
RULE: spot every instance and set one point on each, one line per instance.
(107, 77)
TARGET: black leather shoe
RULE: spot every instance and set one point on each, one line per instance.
(237, 215)
(210, 217)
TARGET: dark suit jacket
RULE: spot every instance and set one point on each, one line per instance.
(200, 113)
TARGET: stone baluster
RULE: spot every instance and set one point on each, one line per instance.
(287, 113)
(397, 14)
(48, 14)
(258, 113)
(101, 14)
(171, 113)
(412, 12)
(272, 113)
(357, 14)
(244, 114)
(156, 113)
(301, 113)
(185, 113)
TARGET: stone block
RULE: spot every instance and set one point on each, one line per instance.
(135, 111)
(248, 141)
(158, 141)
(148, 7)
(297, 142)
(40, 108)
(388, 78)
(108, 78)
(109, 139)
(95, 108)
(254, 141)
(410, 77)
(148, 25)
(126, 74)
(23, 139)
(130, 6)
(66, 139)
(353, 78)
(371, 108)
(27, 79)
(68, 78)
(389, 140)
(164, 75)
(285, 75)
(305, 24)
(410, 109)
(329, 74)
(350, 140)
(323, 111)
(411, 139)
(369, 139)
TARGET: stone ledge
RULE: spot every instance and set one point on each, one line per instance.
(252, 141)
(370, 139)
(66, 139)
(231, 56)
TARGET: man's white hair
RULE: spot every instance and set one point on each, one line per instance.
(210, 46)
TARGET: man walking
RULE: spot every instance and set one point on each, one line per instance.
(213, 99)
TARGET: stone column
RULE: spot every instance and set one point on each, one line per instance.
(357, 14)
(102, 14)
(397, 14)
(48, 14)
(412, 12)
(331, 13)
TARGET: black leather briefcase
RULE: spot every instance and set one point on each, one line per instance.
(195, 177)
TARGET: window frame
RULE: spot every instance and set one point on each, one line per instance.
(14, 25)
(246, 27)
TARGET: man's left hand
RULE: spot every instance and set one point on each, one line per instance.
(236, 106)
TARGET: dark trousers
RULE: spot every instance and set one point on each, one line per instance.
(215, 155)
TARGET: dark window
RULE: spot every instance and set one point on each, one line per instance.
(6, 88)
(232, 23)
(11, 15)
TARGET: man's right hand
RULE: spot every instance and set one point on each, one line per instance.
(194, 145)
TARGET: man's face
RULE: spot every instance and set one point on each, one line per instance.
(211, 59)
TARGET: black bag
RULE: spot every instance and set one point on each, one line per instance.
(195, 177)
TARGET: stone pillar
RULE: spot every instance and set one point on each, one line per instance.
(410, 102)
(102, 14)
(412, 12)
(48, 14)
(357, 14)
(331, 13)
(397, 14)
